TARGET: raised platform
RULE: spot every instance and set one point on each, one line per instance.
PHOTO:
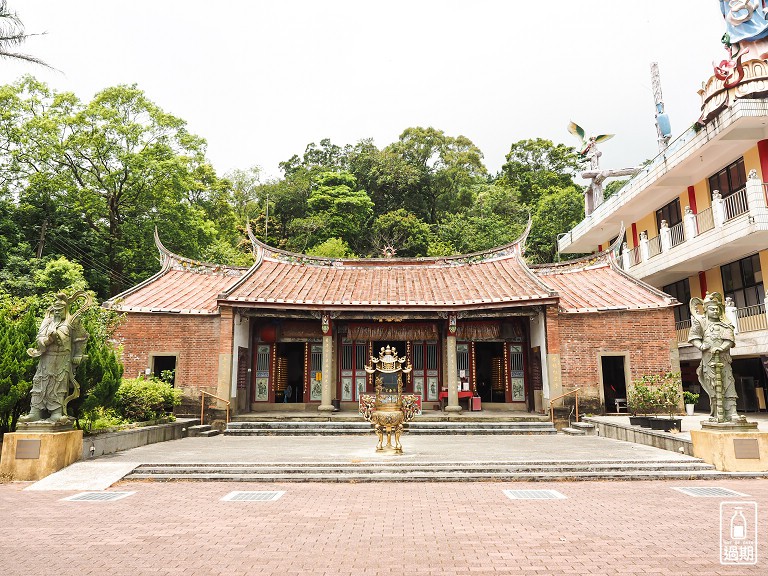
(419, 426)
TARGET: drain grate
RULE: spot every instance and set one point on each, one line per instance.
(534, 495)
(709, 491)
(98, 496)
(242, 496)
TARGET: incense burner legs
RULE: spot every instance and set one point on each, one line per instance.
(389, 423)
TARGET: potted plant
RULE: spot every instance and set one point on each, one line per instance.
(638, 403)
(690, 399)
(668, 400)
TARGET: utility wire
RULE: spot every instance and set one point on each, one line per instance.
(78, 254)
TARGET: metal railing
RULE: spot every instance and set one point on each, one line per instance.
(752, 318)
(551, 402)
(203, 394)
(634, 256)
(735, 204)
(677, 234)
(705, 221)
(682, 328)
(654, 246)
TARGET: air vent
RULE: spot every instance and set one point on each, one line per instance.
(534, 495)
(709, 492)
(240, 496)
(98, 496)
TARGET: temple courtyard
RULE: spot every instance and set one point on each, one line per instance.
(350, 527)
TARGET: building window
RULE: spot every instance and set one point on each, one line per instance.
(670, 213)
(743, 281)
(681, 290)
(729, 180)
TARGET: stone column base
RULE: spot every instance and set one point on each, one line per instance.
(731, 451)
(453, 408)
(325, 408)
(35, 455)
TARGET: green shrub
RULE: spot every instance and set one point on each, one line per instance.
(100, 418)
(139, 400)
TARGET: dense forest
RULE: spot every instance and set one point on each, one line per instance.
(83, 185)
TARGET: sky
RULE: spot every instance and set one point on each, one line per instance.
(259, 80)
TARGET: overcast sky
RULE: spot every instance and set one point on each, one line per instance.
(259, 80)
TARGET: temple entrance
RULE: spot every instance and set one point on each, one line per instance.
(289, 373)
(614, 381)
(489, 371)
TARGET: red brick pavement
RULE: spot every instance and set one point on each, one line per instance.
(603, 528)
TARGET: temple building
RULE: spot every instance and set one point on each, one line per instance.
(295, 332)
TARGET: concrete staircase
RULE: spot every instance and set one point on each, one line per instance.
(204, 430)
(404, 471)
(320, 428)
(580, 429)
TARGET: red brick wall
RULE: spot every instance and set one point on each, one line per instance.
(645, 334)
(194, 337)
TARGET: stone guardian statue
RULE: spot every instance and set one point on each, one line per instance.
(714, 336)
(59, 345)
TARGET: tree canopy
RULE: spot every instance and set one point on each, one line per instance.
(89, 182)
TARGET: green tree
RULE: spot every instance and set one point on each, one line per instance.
(447, 167)
(17, 333)
(336, 209)
(403, 231)
(332, 248)
(559, 210)
(535, 166)
(117, 166)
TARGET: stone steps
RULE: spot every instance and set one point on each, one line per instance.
(687, 469)
(299, 428)
(204, 430)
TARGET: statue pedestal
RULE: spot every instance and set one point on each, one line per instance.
(732, 447)
(35, 455)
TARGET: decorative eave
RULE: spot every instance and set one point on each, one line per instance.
(171, 264)
(514, 249)
(171, 261)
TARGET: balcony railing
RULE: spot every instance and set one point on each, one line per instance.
(677, 234)
(654, 246)
(682, 328)
(750, 319)
(705, 221)
(735, 204)
(693, 225)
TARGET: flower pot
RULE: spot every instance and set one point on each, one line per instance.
(689, 409)
(639, 421)
(666, 424)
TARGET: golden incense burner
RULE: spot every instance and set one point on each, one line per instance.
(388, 410)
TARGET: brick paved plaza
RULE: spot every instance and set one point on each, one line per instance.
(601, 528)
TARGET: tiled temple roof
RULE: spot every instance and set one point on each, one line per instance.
(182, 286)
(595, 283)
(494, 279)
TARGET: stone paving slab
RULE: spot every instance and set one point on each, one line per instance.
(600, 529)
(355, 449)
(90, 475)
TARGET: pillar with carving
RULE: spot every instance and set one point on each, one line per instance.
(326, 404)
(452, 372)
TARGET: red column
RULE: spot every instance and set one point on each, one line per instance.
(703, 283)
(692, 199)
(634, 235)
